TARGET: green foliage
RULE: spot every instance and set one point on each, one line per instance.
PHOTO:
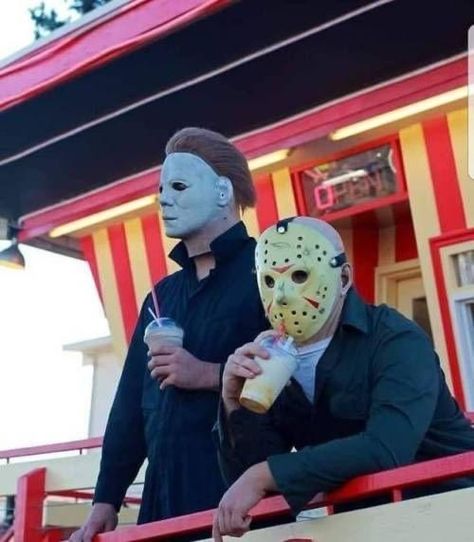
(46, 20)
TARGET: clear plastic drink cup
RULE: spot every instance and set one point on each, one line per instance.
(163, 331)
(259, 393)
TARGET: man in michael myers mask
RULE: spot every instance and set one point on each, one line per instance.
(166, 402)
(368, 393)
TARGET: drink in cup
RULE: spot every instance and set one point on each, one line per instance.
(259, 393)
(163, 331)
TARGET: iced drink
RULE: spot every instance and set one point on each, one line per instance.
(163, 331)
(260, 392)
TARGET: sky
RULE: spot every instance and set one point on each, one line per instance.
(45, 392)
(16, 27)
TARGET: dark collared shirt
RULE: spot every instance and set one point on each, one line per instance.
(172, 428)
(381, 401)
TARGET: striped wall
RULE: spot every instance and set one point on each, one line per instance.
(381, 238)
(127, 258)
(441, 199)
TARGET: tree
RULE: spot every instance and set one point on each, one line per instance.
(46, 20)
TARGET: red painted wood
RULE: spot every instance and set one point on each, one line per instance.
(365, 243)
(85, 444)
(154, 247)
(436, 244)
(130, 27)
(267, 212)
(29, 506)
(287, 133)
(41, 222)
(361, 487)
(405, 239)
(123, 274)
(87, 246)
(301, 207)
(443, 174)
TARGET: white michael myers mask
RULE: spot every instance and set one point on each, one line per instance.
(299, 277)
(191, 194)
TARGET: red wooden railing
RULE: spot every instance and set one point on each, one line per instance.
(32, 492)
(71, 446)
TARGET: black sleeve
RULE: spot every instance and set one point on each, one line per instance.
(405, 380)
(245, 439)
(124, 447)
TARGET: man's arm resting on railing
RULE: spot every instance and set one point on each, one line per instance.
(403, 400)
(245, 439)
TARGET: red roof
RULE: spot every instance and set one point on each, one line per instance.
(102, 39)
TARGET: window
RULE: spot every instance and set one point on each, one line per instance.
(464, 267)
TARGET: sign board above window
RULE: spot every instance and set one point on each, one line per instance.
(346, 183)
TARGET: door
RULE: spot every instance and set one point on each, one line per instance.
(411, 301)
(400, 285)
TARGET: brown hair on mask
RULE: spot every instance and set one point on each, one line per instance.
(224, 158)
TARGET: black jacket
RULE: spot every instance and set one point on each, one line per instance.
(172, 428)
(381, 401)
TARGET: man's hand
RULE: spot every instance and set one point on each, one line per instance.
(102, 518)
(239, 366)
(232, 516)
(173, 365)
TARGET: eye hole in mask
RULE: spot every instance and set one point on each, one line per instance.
(299, 276)
(178, 186)
(269, 281)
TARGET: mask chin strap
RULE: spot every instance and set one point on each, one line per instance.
(338, 260)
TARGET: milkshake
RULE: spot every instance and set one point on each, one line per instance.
(163, 331)
(259, 393)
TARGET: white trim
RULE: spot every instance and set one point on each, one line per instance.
(199, 79)
(90, 346)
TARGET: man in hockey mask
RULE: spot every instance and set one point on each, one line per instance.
(368, 393)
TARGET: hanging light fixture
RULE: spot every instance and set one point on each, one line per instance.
(12, 257)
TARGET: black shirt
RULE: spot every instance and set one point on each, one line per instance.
(172, 428)
(381, 401)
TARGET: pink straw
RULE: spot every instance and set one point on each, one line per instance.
(155, 302)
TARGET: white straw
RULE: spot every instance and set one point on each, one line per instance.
(153, 314)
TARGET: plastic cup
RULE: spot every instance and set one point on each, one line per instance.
(163, 331)
(259, 393)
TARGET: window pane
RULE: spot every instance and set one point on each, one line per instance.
(464, 266)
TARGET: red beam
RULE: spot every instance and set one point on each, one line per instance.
(87, 246)
(123, 274)
(444, 175)
(85, 444)
(29, 506)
